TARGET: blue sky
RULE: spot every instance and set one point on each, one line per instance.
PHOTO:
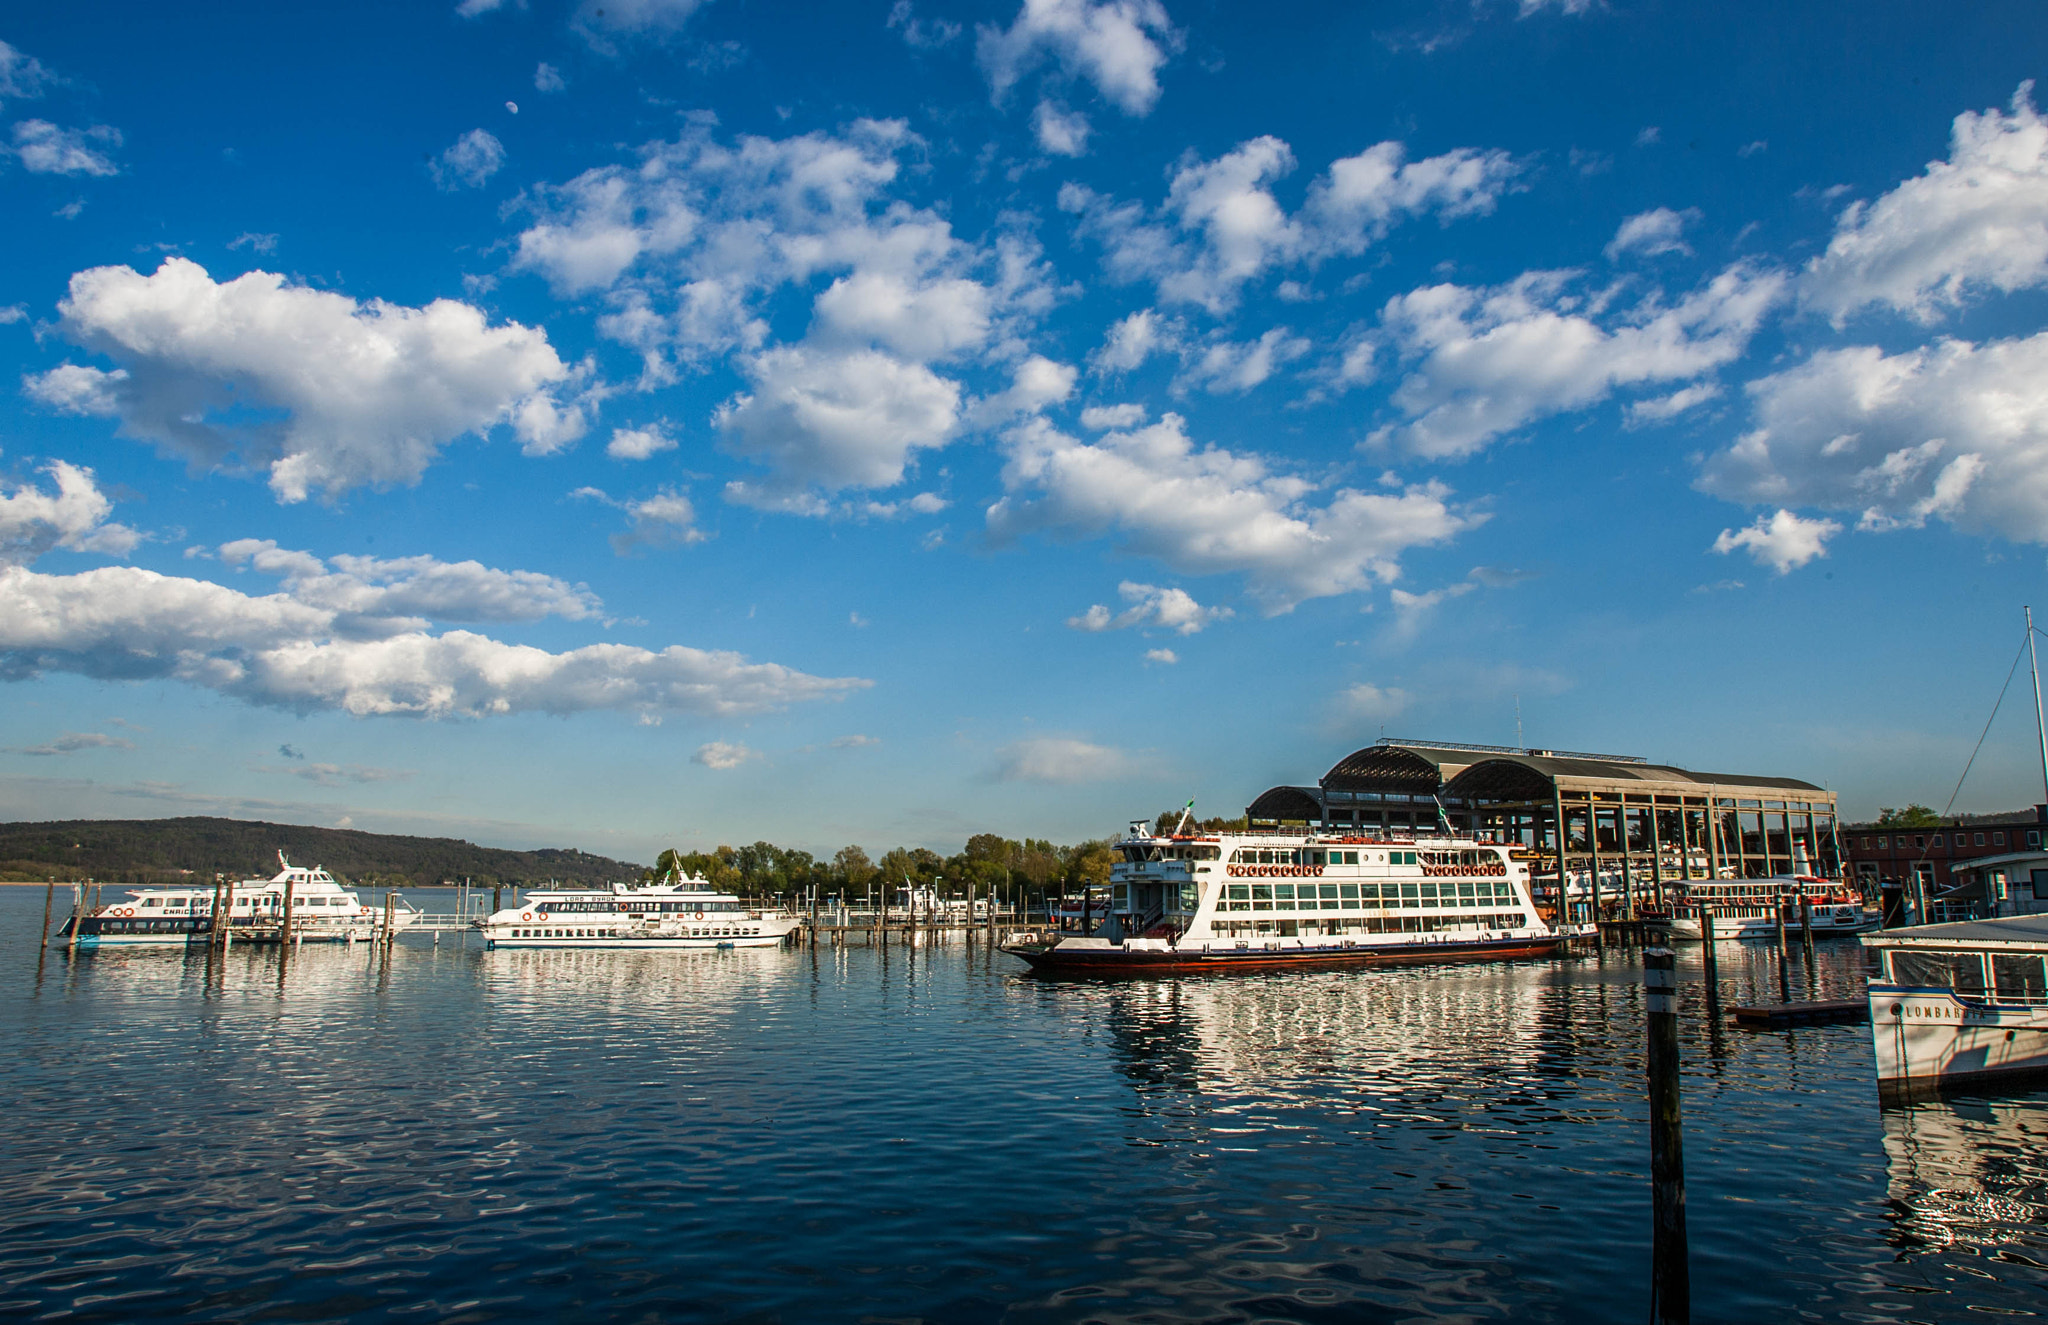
(669, 421)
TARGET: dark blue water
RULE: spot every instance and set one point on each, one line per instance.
(856, 1136)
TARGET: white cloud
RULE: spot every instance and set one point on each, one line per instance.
(324, 391)
(1063, 760)
(921, 34)
(22, 77)
(44, 148)
(1226, 366)
(1366, 700)
(667, 519)
(1661, 409)
(474, 158)
(1221, 226)
(1061, 132)
(1132, 341)
(13, 313)
(722, 755)
(916, 318)
(1412, 610)
(829, 420)
(369, 587)
(1489, 361)
(1097, 418)
(1659, 230)
(1036, 383)
(639, 443)
(1978, 219)
(1783, 541)
(1118, 45)
(1151, 605)
(73, 742)
(547, 78)
(1163, 657)
(1210, 511)
(33, 522)
(1954, 431)
(254, 242)
(121, 622)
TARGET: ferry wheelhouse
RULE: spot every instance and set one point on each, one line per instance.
(1958, 1002)
(323, 911)
(677, 912)
(1217, 901)
(1749, 908)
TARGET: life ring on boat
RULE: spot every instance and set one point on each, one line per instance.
(526, 915)
(700, 915)
(1319, 871)
(124, 911)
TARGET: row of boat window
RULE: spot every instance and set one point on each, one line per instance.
(2014, 978)
(696, 932)
(1366, 896)
(1372, 925)
(141, 927)
(241, 903)
(1305, 856)
(635, 905)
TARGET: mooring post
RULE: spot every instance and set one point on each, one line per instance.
(1806, 929)
(1784, 957)
(77, 918)
(284, 934)
(388, 935)
(49, 901)
(1670, 1280)
(1713, 965)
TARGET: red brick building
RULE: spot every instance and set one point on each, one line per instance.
(1935, 853)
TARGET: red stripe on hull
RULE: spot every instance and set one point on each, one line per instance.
(1117, 961)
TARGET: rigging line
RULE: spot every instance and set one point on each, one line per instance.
(2015, 671)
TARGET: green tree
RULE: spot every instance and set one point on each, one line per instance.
(1913, 816)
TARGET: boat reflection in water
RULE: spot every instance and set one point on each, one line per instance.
(1968, 1185)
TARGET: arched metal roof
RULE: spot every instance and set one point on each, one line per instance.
(1284, 803)
(1383, 768)
(1535, 777)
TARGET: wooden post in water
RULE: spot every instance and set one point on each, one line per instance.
(1713, 964)
(1784, 957)
(49, 900)
(284, 934)
(1806, 929)
(388, 917)
(1670, 1277)
(77, 918)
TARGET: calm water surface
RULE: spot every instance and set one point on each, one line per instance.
(855, 1135)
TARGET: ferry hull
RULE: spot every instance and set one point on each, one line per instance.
(648, 943)
(1750, 927)
(1929, 1037)
(1221, 955)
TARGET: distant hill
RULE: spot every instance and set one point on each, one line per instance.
(152, 850)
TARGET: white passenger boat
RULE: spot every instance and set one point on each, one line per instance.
(1749, 908)
(1238, 900)
(1959, 1002)
(676, 912)
(323, 911)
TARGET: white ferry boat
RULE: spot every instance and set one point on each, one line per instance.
(322, 912)
(1235, 900)
(1959, 1002)
(1749, 908)
(676, 912)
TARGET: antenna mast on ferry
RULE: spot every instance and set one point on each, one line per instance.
(2034, 664)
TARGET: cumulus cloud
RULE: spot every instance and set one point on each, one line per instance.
(667, 519)
(1782, 541)
(1366, 700)
(22, 77)
(639, 443)
(1117, 45)
(1659, 230)
(722, 755)
(921, 34)
(1977, 220)
(1163, 657)
(474, 158)
(829, 421)
(1061, 132)
(1662, 409)
(1221, 226)
(254, 242)
(44, 148)
(1100, 418)
(1211, 511)
(1233, 367)
(1151, 605)
(1489, 361)
(1132, 341)
(1063, 760)
(33, 522)
(325, 392)
(358, 588)
(1953, 431)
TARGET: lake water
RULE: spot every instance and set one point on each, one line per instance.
(858, 1135)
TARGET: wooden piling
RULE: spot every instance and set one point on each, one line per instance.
(49, 900)
(77, 918)
(284, 935)
(1670, 1274)
(1784, 956)
(1806, 929)
(388, 917)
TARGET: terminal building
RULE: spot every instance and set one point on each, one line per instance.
(1605, 814)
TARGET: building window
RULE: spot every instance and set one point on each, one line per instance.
(1998, 839)
(1880, 846)
(1920, 841)
(1980, 839)
(2033, 837)
(1937, 839)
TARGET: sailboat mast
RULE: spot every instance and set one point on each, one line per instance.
(2040, 729)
